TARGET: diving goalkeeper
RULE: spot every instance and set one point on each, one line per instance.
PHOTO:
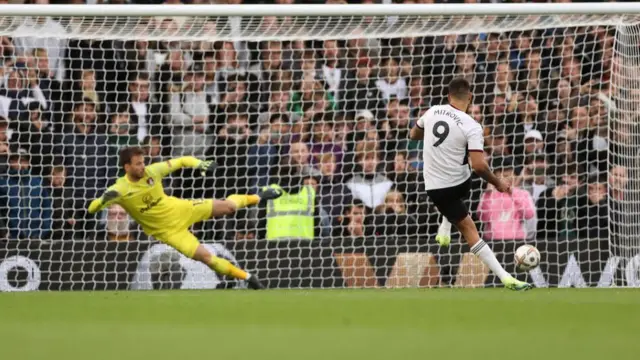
(168, 218)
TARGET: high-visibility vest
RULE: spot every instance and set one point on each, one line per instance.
(290, 217)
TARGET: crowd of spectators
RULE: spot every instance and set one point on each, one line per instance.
(337, 110)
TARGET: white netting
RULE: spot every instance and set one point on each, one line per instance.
(334, 99)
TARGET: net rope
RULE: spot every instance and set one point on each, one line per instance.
(333, 97)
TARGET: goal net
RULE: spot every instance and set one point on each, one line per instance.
(319, 102)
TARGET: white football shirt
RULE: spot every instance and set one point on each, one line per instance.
(448, 136)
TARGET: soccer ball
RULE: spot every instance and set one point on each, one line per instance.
(527, 257)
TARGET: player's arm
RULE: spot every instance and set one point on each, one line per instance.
(481, 167)
(417, 132)
(109, 197)
(475, 143)
(166, 167)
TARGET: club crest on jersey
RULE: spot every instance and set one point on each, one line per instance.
(150, 181)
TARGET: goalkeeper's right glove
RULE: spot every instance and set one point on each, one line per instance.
(206, 167)
(109, 195)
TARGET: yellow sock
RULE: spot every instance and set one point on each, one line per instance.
(242, 201)
(224, 267)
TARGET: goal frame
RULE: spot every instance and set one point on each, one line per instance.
(323, 10)
(617, 13)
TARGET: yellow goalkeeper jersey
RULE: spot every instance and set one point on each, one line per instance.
(146, 201)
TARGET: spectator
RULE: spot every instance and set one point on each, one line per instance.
(229, 152)
(334, 195)
(169, 78)
(502, 214)
(15, 94)
(5, 136)
(269, 64)
(51, 89)
(279, 97)
(227, 61)
(86, 87)
(54, 43)
(152, 144)
(140, 58)
(86, 153)
(391, 218)
(7, 52)
(498, 146)
(593, 210)
(39, 138)
(369, 185)
(332, 69)
(119, 136)
(360, 91)
(265, 154)
(417, 95)
(311, 99)
(299, 155)
(353, 223)
(233, 93)
(24, 200)
(533, 145)
(582, 133)
(307, 66)
(533, 78)
(323, 139)
(618, 182)
(533, 177)
(118, 225)
(392, 84)
(525, 119)
(145, 116)
(557, 207)
(396, 128)
(62, 204)
(503, 81)
(190, 117)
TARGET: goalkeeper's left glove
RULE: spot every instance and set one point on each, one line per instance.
(206, 167)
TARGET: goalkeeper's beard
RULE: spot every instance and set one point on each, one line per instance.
(118, 227)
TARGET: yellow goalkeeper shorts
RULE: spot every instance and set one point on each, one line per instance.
(182, 239)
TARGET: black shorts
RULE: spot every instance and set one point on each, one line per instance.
(451, 201)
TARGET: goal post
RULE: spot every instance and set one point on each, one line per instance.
(327, 93)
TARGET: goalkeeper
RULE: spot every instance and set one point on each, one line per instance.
(168, 218)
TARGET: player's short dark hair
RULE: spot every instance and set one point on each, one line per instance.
(128, 153)
(459, 88)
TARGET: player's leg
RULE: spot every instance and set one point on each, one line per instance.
(187, 244)
(222, 208)
(238, 201)
(444, 232)
(451, 205)
(225, 267)
(481, 249)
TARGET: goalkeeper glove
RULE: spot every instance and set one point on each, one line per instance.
(206, 167)
(109, 195)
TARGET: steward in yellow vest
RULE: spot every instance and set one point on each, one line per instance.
(293, 216)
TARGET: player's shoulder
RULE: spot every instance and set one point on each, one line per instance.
(468, 123)
(120, 182)
(119, 185)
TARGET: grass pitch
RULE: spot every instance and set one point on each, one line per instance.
(331, 324)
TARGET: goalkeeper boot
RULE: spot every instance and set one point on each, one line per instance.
(269, 194)
(516, 285)
(254, 283)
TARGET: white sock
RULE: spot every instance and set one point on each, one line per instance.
(483, 251)
(445, 227)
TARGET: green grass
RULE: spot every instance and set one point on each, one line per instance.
(332, 324)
